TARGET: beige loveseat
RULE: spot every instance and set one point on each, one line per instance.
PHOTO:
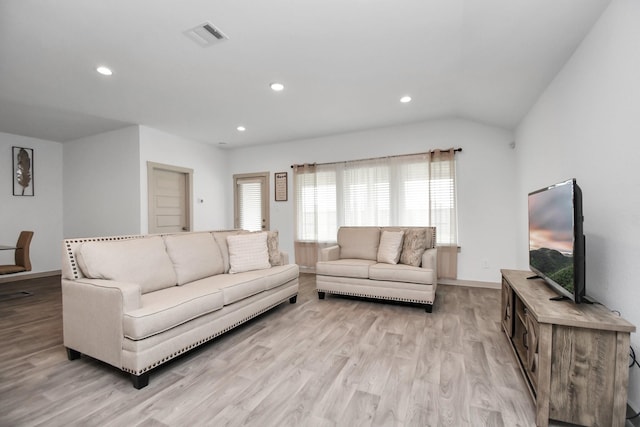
(393, 263)
(136, 302)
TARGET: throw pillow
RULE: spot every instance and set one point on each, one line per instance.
(275, 257)
(390, 246)
(221, 239)
(248, 252)
(415, 243)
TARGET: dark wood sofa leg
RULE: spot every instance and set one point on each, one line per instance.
(72, 354)
(293, 299)
(140, 381)
(320, 295)
(429, 308)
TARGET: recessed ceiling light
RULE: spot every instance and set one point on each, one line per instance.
(277, 87)
(105, 71)
(241, 128)
(405, 99)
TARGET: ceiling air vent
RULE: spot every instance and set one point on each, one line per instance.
(206, 34)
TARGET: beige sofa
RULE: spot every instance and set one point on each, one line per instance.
(136, 302)
(393, 263)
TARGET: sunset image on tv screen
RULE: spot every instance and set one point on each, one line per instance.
(551, 234)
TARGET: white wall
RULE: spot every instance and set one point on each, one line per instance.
(101, 184)
(41, 213)
(486, 187)
(212, 182)
(587, 125)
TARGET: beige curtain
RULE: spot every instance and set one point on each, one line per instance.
(306, 250)
(443, 210)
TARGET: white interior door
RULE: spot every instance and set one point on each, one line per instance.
(169, 198)
(251, 196)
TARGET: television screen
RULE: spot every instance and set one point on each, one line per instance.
(556, 252)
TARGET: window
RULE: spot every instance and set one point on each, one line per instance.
(414, 190)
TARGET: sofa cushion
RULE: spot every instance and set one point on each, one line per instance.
(413, 246)
(390, 246)
(359, 242)
(248, 252)
(167, 308)
(143, 261)
(345, 268)
(221, 239)
(237, 286)
(401, 273)
(194, 256)
(279, 275)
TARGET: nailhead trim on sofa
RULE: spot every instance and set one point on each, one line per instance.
(358, 294)
(202, 341)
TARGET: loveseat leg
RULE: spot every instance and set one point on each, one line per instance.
(72, 354)
(429, 308)
(293, 299)
(140, 381)
(320, 295)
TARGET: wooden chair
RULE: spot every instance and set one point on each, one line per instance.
(23, 262)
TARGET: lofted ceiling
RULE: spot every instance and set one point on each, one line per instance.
(344, 63)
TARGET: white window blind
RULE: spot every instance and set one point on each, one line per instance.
(250, 205)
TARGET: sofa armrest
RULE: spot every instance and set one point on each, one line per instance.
(332, 253)
(92, 316)
(430, 261)
(285, 257)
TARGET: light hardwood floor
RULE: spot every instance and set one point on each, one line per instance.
(332, 362)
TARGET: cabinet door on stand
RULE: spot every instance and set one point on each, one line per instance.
(533, 353)
(507, 308)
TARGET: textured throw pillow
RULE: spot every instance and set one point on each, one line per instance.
(221, 239)
(248, 252)
(414, 245)
(390, 247)
(275, 258)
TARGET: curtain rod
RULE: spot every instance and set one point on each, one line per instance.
(376, 158)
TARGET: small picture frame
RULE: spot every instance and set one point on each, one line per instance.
(23, 181)
(281, 189)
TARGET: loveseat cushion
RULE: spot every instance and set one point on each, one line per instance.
(359, 242)
(143, 261)
(167, 308)
(194, 256)
(401, 273)
(345, 268)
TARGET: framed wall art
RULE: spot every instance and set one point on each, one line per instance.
(281, 186)
(23, 184)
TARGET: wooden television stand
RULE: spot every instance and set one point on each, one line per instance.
(574, 357)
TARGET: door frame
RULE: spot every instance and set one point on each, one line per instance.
(265, 195)
(151, 168)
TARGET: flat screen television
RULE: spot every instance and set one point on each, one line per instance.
(556, 239)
